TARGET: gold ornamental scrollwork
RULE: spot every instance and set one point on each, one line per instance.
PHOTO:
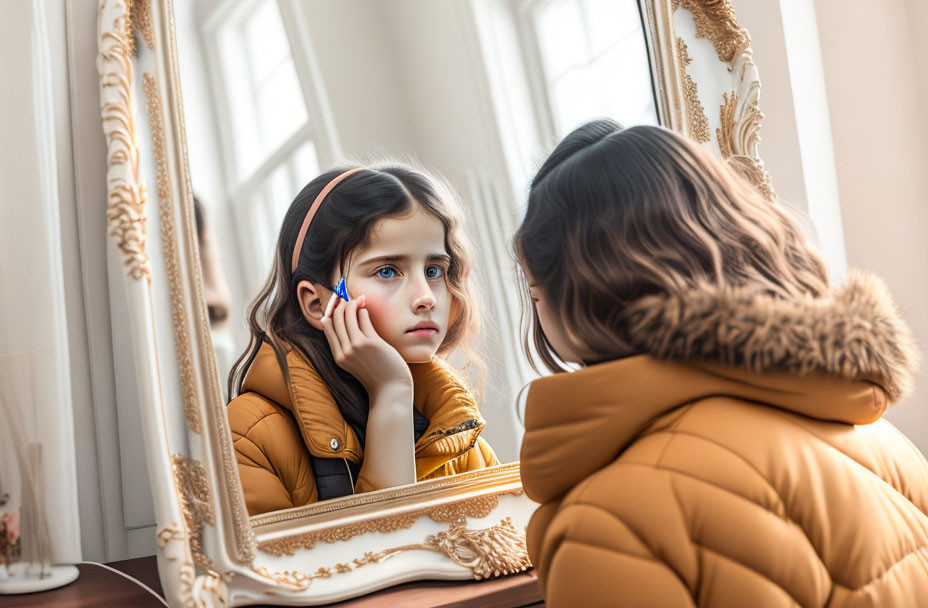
(126, 196)
(168, 533)
(495, 551)
(210, 590)
(196, 503)
(188, 576)
(695, 113)
(454, 513)
(727, 119)
(740, 117)
(457, 513)
(204, 591)
(715, 21)
(489, 552)
(141, 15)
(185, 366)
(737, 137)
(470, 481)
(213, 405)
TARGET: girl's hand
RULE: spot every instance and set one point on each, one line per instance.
(389, 456)
(360, 351)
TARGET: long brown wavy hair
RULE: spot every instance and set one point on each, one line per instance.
(616, 215)
(343, 223)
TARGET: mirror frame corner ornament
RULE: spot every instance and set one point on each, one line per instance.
(199, 507)
(738, 135)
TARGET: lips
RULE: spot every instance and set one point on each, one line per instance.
(423, 328)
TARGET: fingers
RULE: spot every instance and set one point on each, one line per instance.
(329, 329)
(364, 323)
(346, 325)
(338, 323)
(330, 306)
(329, 324)
(351, 321)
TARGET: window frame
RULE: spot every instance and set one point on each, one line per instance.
(526, 12)
(248, 193)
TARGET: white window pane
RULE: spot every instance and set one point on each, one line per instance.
(561, 37)
(280, 194)
(610, 21)
(304, 166)
(266, 39)
(263, 233)
(240, 102)
(613, 82)
(264, 98)
(574, 100)
(627, 95)
(280, 106)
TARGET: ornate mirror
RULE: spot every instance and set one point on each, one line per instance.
(217, 113)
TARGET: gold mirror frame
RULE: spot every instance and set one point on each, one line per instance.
(199, 507)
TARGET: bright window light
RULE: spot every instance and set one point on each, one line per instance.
(595, 62)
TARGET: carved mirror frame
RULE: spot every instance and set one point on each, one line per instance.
(210, 552)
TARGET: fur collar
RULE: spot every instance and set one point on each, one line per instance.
(854, 332)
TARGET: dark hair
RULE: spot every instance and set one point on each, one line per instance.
(343, 223)
(616, 214)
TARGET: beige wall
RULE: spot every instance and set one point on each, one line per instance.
(870, 55)
(873, 55)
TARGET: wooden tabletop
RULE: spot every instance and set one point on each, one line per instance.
(97, 586)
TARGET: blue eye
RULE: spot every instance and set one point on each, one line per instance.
(386, 273)
(434, 271)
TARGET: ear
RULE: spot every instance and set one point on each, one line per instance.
(313, 298)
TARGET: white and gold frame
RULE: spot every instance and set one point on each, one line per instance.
(716, 88)
(471, 526)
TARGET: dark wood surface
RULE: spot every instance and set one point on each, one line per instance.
(507, 592)
(97, 586)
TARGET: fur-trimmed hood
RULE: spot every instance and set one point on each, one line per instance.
(825, 358)
(853, 332)
(742, 456)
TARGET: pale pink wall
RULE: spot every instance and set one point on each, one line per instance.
(876, 80)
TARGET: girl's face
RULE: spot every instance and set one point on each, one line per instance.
(402, 273)
(565, 345)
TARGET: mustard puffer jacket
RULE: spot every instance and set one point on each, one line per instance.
(742, 461)
(277, 425)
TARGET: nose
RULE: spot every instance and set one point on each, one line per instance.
(425, 300)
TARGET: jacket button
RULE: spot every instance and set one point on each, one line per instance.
(333, 443)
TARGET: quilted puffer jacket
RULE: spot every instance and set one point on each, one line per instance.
(741, 460)
(278, 426)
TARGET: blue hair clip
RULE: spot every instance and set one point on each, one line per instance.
(342, 291)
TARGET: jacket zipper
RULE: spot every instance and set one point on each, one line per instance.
(350, 478)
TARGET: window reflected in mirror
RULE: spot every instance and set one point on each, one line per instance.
(474, 92)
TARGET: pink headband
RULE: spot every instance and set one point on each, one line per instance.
(312, 212)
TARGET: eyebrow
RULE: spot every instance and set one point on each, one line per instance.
(402, 258)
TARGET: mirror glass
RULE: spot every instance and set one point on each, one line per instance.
(276, 92)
